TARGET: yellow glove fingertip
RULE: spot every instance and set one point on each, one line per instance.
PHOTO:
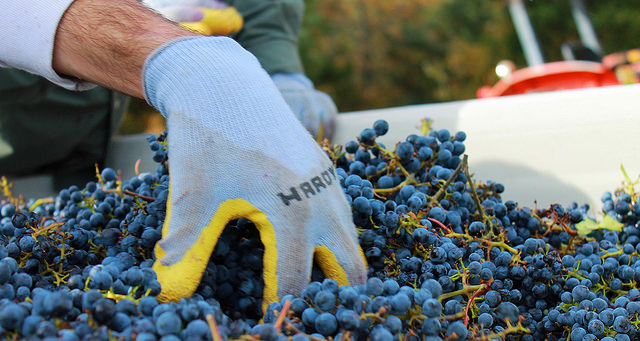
(364, 258)
(221, 21)
(177, 280)
(329, 265)
(181, 279)
(197, 27)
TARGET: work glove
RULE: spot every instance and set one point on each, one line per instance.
(315, 109)
(237, 151)
(208, 17)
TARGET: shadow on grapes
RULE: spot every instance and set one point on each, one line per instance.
(234, 274)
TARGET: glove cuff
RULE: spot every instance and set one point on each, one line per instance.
(178, 64)
(151, 56)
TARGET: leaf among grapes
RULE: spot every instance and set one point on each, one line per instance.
(588, 225)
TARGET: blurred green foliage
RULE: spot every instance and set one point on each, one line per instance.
(371, 54)
(382, 53)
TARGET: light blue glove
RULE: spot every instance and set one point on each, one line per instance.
(237, 151)
(315, 109)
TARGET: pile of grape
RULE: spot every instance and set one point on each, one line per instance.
(448, 259)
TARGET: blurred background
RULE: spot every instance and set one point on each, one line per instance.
(369, 54)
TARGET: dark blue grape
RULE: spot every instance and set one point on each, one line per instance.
(348, 319)
(108, 174)
(596, 327)
(325, 300)
(326, 324)
(405, 150)
(457, 331)
(368, 136)
(431, 307)
(11, 316)
(381, 127)
(351, 147)
(431, 327)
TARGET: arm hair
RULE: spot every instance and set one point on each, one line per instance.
(106, 42)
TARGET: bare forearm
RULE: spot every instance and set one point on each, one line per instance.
(107, 41)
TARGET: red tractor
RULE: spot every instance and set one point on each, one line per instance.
(584, 64)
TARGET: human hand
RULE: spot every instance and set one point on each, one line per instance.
(208, 17)
(315, 109)
(237, 151)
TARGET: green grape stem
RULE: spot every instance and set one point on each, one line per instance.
(465, 290)
(476, 198)
(518, 328)
(435, 199)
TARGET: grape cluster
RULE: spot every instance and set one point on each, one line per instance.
(448, 259)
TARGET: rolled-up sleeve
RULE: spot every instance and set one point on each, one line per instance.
(27, 34)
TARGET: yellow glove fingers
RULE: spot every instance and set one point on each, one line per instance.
(348, 261)
(329, 265)
(198, 27)
(217, 22)
(222, 21)
(182, 278)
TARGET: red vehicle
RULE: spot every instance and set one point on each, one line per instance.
(584, 65)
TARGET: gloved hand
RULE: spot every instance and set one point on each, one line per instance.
(208, 17)
(237, 151)
(315, 109)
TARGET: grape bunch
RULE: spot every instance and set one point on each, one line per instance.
(448, 259)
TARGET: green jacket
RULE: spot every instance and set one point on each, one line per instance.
(270, 32)
(45, 129)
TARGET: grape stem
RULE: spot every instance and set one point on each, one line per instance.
(440, 224)
(475, 193)
(465, 290)
(451, 317)
(283, 313)
(506, 331)
(435, 199)
(143, 197)
(136, 168)
(470, 302)
(215, 332)
(6, 186)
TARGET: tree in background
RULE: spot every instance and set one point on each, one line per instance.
(382, 53)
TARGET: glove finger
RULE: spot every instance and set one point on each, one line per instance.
(180, 263)
(197, 27)
(295, 262)
(337, 251)
(301, 106)
(327, 112)
(181, 278)
(315, 109)
(288, 258)
(343, 262)
(222, 21)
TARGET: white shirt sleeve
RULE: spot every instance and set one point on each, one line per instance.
(27, 32)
